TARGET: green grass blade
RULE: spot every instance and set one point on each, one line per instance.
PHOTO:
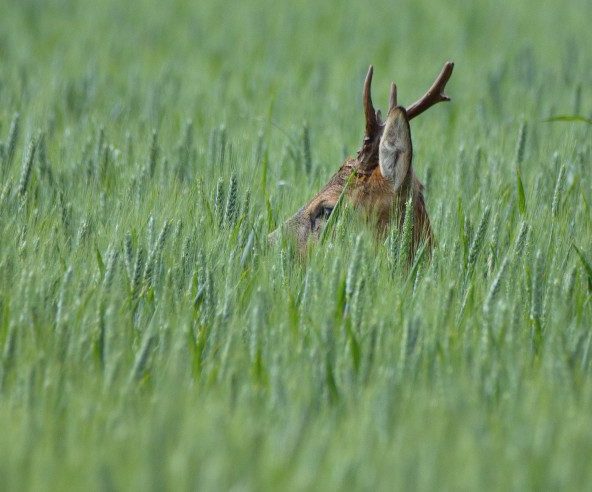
(572, 118)
(586, 265)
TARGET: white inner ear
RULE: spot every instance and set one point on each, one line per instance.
(395, 150)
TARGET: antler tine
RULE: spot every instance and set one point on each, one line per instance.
(435, 93)
(371, 121)
(392, 97)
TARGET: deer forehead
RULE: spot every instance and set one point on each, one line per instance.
(328, 195)
(369, 190)
(373, 190)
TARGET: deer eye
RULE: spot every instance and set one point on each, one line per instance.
(321, 214)
(326, 211)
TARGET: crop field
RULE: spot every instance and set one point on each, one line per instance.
(152, 339)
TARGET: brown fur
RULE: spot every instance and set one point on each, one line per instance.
(371, 193)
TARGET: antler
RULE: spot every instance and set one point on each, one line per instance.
(371, 120)
(393, 97)
(434, 95)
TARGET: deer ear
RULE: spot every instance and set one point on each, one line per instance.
(395, 150)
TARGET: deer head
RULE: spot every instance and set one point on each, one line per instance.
(380, 179)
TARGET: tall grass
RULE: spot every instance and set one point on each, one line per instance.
(150, 337)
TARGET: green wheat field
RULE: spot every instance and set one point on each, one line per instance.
(151, 339)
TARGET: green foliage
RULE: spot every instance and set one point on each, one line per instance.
(150, 338)
(587, 267)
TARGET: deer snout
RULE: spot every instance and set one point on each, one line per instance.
(296, 228)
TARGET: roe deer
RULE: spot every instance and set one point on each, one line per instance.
(380, 178)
